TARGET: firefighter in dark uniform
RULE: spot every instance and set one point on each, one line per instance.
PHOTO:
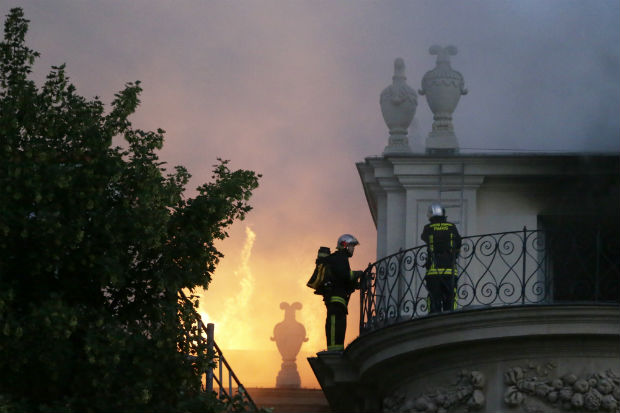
(443, 244)
(342, 283)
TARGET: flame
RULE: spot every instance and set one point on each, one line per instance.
(236, 307)
(244, 304)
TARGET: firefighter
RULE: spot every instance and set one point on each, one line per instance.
(337, 291)
(443, 244)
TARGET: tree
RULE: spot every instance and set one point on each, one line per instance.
(96, 241)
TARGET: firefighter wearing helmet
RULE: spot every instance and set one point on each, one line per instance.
(443, 244)
(342, 283)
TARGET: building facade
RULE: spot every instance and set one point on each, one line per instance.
(537, 322)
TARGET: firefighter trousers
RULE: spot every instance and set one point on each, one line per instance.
(441, 293)
(335, 325)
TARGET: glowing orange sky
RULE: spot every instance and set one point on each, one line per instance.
(291, 89)
(246, 300)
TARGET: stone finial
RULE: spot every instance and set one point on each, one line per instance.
(443, 88)
(399, 69)
(443, 53)
(398, 104)
(289, 336)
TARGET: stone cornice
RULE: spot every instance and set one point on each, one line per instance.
(508, 165)
(416, 171)
(430, 181)
(424, 352)
(464, 328)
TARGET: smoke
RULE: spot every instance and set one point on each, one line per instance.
(244, 305)
(298, 83)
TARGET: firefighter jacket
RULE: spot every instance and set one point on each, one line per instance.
(342, 279)
(444, 242)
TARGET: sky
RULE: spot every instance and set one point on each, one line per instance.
(290, 89)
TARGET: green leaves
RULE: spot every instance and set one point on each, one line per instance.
(15, 58)
(95, 243)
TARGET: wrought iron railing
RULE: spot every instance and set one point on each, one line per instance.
(223, 377)
(494, 270)
(224, 389)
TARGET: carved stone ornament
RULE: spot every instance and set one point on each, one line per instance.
(466, 394)
(398, 104)
(536, 391)
(443, 87)
(289, 335)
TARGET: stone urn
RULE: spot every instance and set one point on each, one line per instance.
(398, 104)
(289, 335)
(443, 88)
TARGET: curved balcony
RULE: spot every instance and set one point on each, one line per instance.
(518, 268)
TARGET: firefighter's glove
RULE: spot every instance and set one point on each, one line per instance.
(367, 274)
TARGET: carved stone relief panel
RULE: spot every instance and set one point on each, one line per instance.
(536, 389)
(464, 395)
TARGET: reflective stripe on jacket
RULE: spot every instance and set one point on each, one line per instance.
(444, 242)
(336, 299)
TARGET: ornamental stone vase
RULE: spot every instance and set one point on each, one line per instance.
(289, 335)
(443, 88)
(398, 104)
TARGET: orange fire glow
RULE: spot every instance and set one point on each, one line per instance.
(244, 305)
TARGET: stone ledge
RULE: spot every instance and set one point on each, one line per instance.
(484, 324)
(416, 355)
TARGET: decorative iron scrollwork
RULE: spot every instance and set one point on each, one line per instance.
(494, 270)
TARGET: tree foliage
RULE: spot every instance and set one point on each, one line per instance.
(96, 241)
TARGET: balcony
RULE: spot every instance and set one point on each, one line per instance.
(495, 270)
(535, 309)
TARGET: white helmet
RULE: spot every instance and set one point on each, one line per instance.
(345, 240)
(435, 210)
